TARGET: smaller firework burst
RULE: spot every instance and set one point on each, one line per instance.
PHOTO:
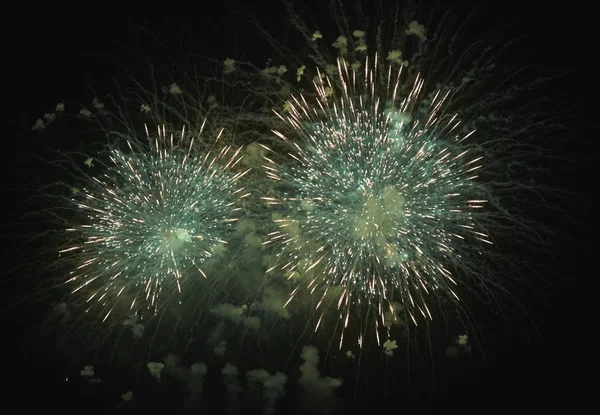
(154, 216)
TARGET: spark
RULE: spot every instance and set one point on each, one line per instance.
(157, 211)
(378, 196)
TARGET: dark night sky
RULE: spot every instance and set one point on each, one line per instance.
(54, 56)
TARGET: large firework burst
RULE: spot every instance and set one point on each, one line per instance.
(158, 211)
(381, 196)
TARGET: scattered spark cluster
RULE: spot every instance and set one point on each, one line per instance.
(156, 214)
(379, 198)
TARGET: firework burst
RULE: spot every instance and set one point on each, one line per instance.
(381, 197)
(156, 213)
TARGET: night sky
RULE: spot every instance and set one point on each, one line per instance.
(58, 55)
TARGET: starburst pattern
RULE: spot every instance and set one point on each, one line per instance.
(158, 211)
(379, 198)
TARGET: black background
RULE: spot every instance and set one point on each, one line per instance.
(51, 56)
